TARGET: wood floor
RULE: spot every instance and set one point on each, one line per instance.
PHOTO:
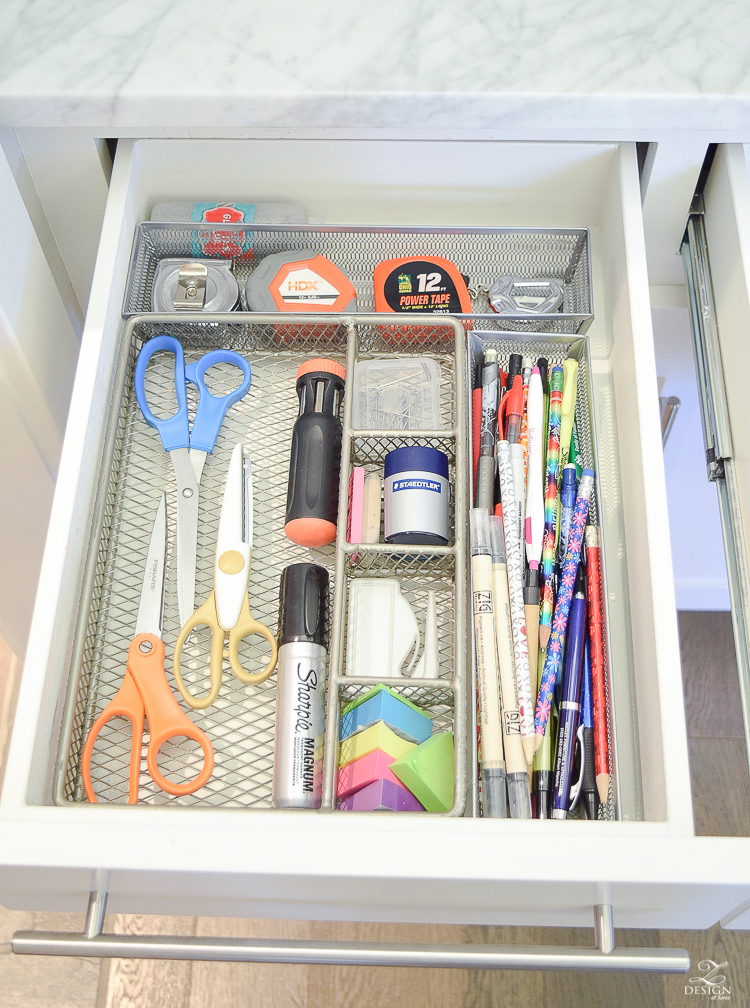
(716, 747)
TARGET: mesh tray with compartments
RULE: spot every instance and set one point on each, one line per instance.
(135, 471)
(481, 254)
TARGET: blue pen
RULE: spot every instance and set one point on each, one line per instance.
(568, 494)
(584, 788)
(575, 640)
(589, 792)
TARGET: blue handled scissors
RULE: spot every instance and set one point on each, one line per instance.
(188, 448)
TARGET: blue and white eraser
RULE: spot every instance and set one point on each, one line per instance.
(384, 704)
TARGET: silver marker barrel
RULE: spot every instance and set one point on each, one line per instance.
(301, 671)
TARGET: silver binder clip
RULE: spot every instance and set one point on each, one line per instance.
(191, 286)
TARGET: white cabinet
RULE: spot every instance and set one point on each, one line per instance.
(38, 354)
(231, 862)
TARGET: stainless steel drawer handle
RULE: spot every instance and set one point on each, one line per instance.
(93, 944)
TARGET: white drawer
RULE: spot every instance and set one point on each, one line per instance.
(309, 865)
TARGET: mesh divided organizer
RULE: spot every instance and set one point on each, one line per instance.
(481, 254)
(556, 349)
(135, 470)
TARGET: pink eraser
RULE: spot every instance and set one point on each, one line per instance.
(373, 767)
(356, 503)
(383, 796)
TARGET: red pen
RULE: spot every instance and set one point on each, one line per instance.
(513, 409)
(476, 430)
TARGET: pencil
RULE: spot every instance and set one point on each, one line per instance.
(598, 673)
(516, 769)
(550, 506)
(553, 662)
(515, 566)
(492, 757)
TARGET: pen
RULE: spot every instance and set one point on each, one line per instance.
(553, 660)
(598, 681)
(492, 758)
(534, 518)
(476, 356)
(571, 698)
(550, 505)
(511, 409)
(531, 611)
(515, 591)
(567, 415)
(567, 505)
(543, 365)
(515, 363)
(517, 775)
(586, 731)
(502, 391)
(485, 492)
(544, 760)
(527, 365)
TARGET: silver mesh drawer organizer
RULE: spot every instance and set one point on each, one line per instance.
(482, 254)
(593, 447)
(134, 472)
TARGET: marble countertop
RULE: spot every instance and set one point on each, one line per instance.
(489, 65)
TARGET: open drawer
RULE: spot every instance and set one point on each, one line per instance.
(261, 862)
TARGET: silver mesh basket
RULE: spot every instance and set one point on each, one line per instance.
(556, 349)
(482, 254)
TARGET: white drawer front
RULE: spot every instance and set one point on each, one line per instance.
(257, 863)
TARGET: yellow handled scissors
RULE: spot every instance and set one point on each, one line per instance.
(226, 610)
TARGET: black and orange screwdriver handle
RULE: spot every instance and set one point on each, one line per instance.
(312, 498)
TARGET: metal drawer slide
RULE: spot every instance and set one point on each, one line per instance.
(717, 436)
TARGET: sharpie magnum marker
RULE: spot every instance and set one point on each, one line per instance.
(303, 649)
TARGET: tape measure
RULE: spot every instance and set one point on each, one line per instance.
(426, 284)
(301, 281)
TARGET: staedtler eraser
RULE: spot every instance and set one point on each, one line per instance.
(427, 771)
(384, 704)
(381, 796)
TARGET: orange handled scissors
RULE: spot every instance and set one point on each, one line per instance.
(145, 692)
